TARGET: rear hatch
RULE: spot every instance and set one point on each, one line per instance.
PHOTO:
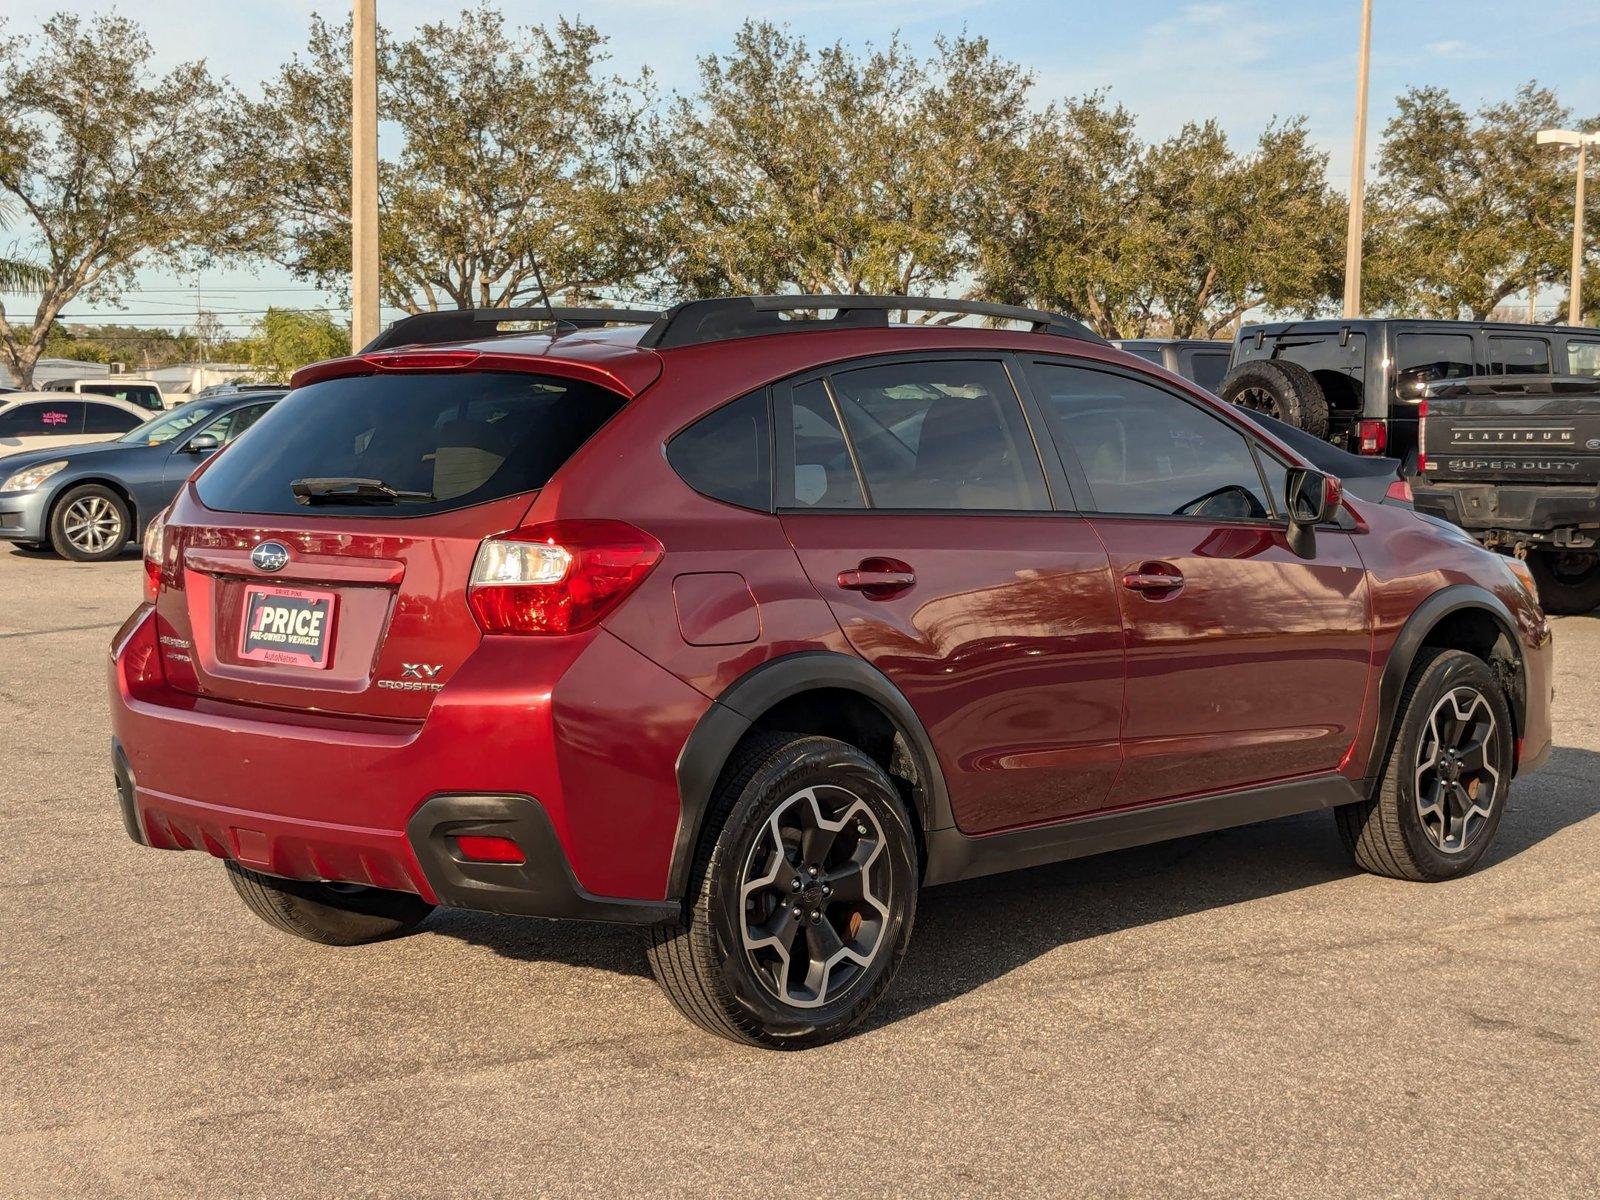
(325, 556)
(1513, 430)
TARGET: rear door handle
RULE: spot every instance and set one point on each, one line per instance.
(1154, 579)
(878, 578)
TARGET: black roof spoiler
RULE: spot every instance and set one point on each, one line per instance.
(1514, 385)
(464, 324)
(697, 321)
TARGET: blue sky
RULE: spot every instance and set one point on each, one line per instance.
(1241, 61)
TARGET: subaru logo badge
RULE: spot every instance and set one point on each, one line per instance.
(270, 556)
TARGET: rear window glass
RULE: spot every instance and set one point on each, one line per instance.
(1519, 356)
(725, 455)
(1424, 358)
(1583, 358)
(445, 441)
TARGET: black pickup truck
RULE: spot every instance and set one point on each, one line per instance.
(1515, 461)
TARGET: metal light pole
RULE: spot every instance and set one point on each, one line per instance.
(364, 174)
(1358, 174)
(1568, 137)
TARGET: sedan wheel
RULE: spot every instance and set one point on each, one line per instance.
(90, 524)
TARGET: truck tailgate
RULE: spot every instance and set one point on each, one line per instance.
(1528, 437)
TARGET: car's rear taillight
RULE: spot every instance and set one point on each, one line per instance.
(1372, 436)
(1400, 491)
(155, 553)
(1422, 437)
(558, 577)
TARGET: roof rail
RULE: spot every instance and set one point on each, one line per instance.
(696, 321)
(460, 324)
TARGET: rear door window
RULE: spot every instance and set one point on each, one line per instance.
(1424, 358)
(1519, 356)
(445, 440)
(941, 434)
(1146, 451)
(43, 418)
(820, 470)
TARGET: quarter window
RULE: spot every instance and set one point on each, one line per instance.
(1519, 356)
(725, 455)
(1423, 358)
(941, 434)
(1146, 451)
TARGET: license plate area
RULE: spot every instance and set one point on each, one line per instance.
(288, 626)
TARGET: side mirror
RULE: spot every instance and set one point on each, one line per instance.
(202, 443)
(1311, 497)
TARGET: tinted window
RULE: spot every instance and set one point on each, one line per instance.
(725, 454)
(1583, 358)
(144, 395)
(1206, 368)
(824, 476)
(1422, 358)
(1519, 356)
(43, 418)
(1146, 451)
(229, 426)
(1148, 353)
(169, 425)
(107, 418)
(456, 438)
(941, 434)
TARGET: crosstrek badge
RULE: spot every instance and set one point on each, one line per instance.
(288, 626)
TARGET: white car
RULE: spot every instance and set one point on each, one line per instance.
(37, 420)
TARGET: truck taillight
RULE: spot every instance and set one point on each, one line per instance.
(155, 552)
(1372, 436)
(558, 577)
(1422, 437)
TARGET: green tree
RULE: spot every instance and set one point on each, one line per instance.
(824, 171)
(519, 158)
(288, 339)
(107, 166)
(1182, 237)
(1468, 210)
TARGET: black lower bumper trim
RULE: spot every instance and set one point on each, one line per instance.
(541, 886)
(122, 773)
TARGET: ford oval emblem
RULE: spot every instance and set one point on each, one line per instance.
(270, 556)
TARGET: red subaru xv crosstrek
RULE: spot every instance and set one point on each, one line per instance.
(743, 623)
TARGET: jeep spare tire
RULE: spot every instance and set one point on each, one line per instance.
(1284, 390)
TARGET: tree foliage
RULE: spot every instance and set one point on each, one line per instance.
(826, 171)
(107, 166)
(288, 339)
(1183, 236)
(1468, 209)
(519, 157)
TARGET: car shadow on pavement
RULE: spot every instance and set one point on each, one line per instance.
(968, 934)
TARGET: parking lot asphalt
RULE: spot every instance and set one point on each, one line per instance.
(1239, 1014)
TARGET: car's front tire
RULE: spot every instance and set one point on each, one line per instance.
(330, 913)
(90, 523)
(802, 897)
(1446, 778)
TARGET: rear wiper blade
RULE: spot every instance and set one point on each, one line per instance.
(348, 489)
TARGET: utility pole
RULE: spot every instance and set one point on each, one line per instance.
(364, 174)
(1358, 174)
(1569, 137)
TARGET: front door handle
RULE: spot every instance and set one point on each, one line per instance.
(878, 578)
(1156, 580)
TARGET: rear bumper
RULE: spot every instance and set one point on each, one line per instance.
(1532, 513)
(559, 765)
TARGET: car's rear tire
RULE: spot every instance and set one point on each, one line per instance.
(1280, 389)
(1568, 583)
(329, 913)
(801, 897)
(1438, 803)
(90, 523)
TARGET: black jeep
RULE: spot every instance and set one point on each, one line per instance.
(1358, 382)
